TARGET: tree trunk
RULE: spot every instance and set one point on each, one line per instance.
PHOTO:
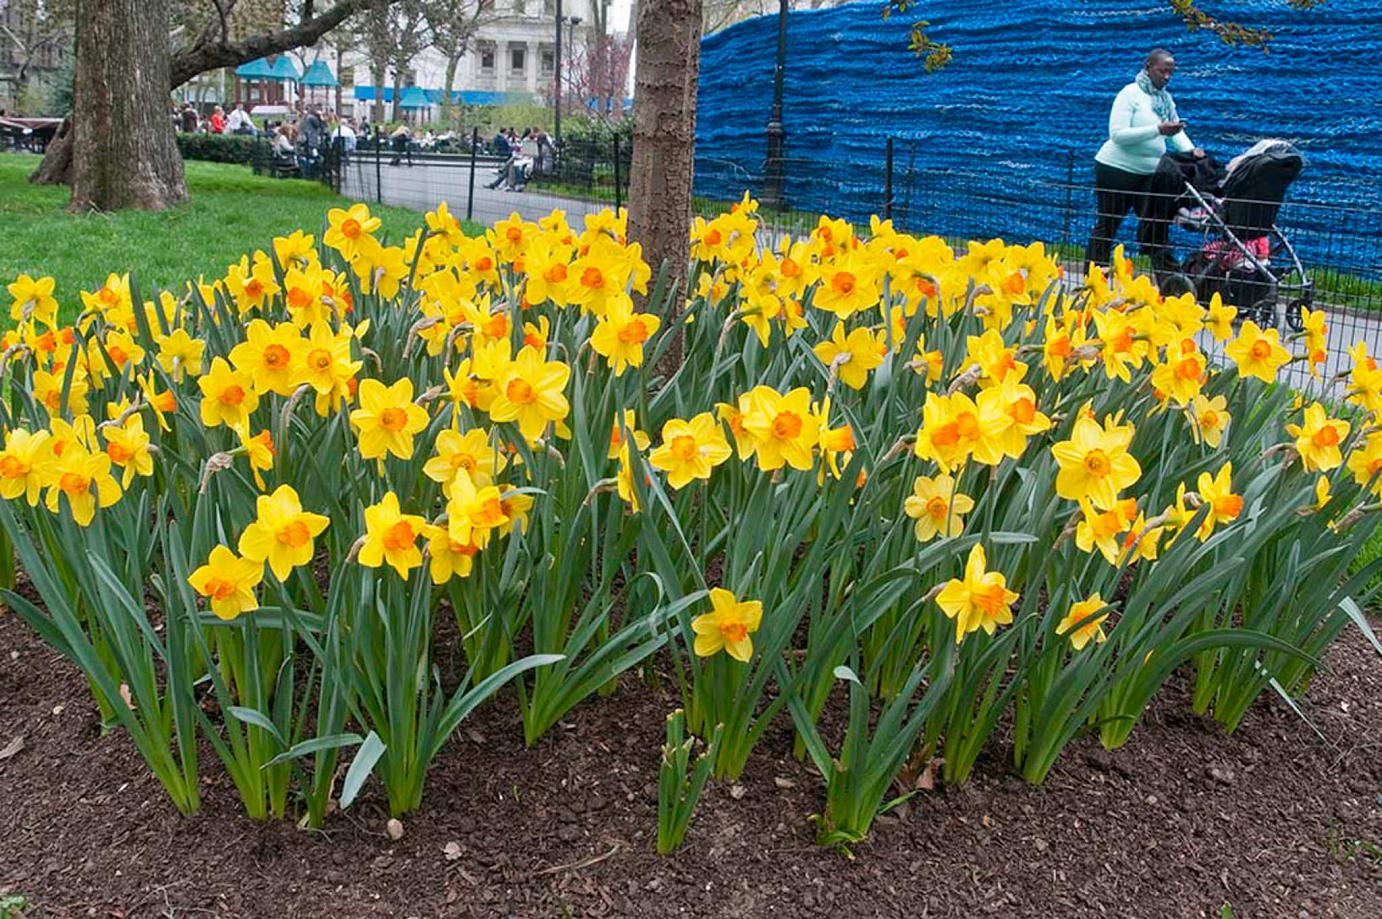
(123, 151)
(376, 74)
(56, 166)
(664, 133)
(448, 108)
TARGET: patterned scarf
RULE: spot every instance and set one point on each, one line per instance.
(1162, 103)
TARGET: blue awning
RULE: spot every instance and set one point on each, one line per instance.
(285, 69)
(256, 70)
(434, 96)
(414, 97)
(319, 75)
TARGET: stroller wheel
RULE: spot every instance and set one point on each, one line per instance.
(1293, 320)
(1175, 284)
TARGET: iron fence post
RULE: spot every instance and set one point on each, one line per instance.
(378, 169)
(888, 180)
(1069, 196)
(618, 191)
(470, 195)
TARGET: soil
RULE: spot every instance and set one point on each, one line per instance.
(1183, 821)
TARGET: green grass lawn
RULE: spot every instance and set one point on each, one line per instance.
(232, 211)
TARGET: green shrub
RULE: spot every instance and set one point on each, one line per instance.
(217, 148)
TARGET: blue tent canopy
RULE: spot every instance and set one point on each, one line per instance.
(319, 75)
(256, 70)
(414, 97)
(285, 69)
(366, 93)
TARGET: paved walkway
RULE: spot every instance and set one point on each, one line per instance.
(427, 183)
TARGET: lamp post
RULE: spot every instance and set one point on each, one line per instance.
(556, 87)
(773, 178)
(572, 21)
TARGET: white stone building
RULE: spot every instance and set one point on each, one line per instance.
(511, 59)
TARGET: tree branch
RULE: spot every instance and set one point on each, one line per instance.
(201, 58)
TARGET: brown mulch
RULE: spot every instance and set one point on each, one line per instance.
(1272, 821)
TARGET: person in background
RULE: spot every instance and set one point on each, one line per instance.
(546, 152)
(343, 132)
(283, 142)
(239, 121)
(187, 118)
(1143, 124)
(502, 147)
(218, 120)
(401, 141)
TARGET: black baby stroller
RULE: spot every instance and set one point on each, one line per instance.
(1244, 257)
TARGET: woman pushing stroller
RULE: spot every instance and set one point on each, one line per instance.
(1142, 126)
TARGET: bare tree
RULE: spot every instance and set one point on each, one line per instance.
(33, 30)
(599, 71)
(393, 34)
(452, 24)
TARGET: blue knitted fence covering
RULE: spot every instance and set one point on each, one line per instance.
(1025, 104)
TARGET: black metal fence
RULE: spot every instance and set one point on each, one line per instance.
(581, 177)
(1339, 249)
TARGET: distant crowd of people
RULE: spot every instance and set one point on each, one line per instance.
(299, 141)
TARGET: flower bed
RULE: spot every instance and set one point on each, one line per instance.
(929, 481)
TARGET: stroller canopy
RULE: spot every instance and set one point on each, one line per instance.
(1256, 187)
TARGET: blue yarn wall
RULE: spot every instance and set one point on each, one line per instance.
(1031, 81)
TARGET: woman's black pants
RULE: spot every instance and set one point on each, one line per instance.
(1117, 191)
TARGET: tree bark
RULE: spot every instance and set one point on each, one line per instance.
(56, 166)
(123, 151)
(664, 134)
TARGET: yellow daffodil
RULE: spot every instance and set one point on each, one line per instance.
(1257, 353)
(1101, 528)
(851, 356)
(228, 581)
(1365, 461)
(391, 537)
(33, 300)
(690, 449)
(350, 231)
(954, 428)
(271, 356)
(980, 599)
(180, 354)
(387, 419)
(1209, 418)
(531, 393)
(473, 511)
(327, 366)
(1085, 622)
(1182, 374)
(1095, 462)
(27, 465)
(282, 532)
(260, 451)
(1318, 439)
(228, 396)
(127, 445)
(84, 479)
(641, 440)
(783, 427)
(471, 453)
(621, 333)
(937, 508)
(448, 558)
(1217, 492)
(728, 626)
(1219, 319)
